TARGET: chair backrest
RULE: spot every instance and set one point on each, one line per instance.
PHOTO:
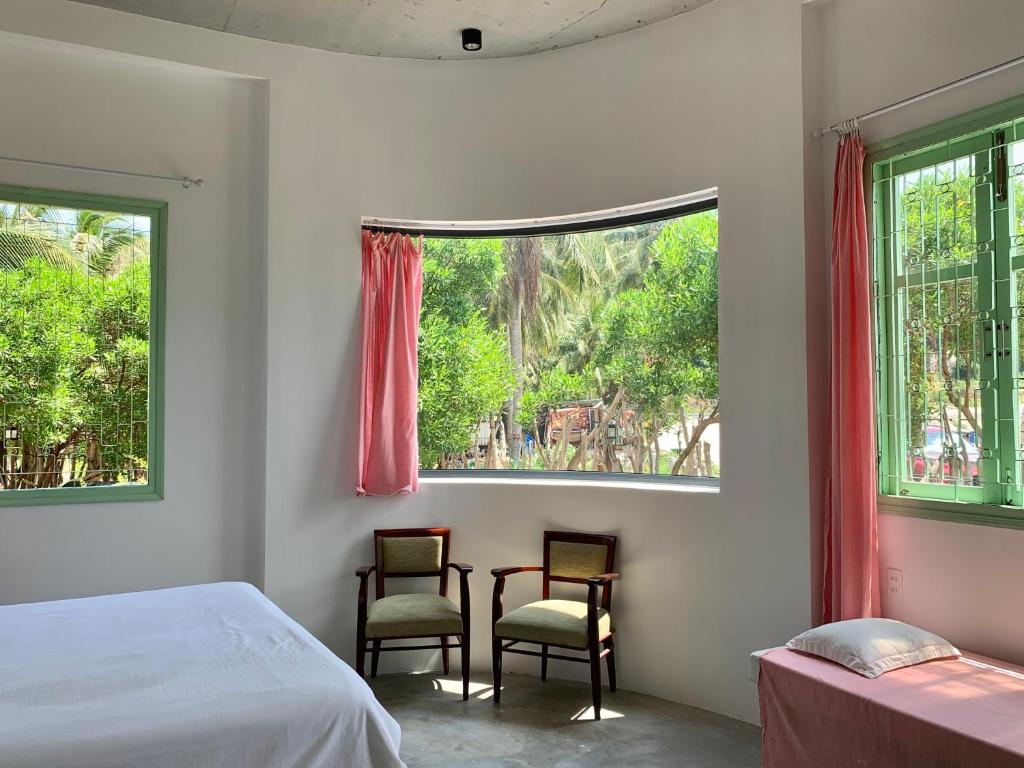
(408, 552)
(576, 557)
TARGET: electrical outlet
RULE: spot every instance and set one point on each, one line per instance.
(894, 586)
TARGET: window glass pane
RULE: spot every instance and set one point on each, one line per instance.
(74, 347)
(1016, 219)
(934, 419)
(942, 400)
(591, 352)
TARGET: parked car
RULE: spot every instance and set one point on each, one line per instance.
(933, 463)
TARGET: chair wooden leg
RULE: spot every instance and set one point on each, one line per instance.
(609, 644)
(361, 652)
(543, 662)
(595, 677)
(465, 665)
(444, 654)
(496, 664)
(375, 658)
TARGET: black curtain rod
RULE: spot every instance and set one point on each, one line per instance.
(609, 222)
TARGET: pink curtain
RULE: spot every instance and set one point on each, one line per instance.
(392, 291)
(850, 585)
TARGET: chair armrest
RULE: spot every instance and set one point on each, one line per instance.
(604, 582)
(464, 570)
(500, 573)
(363, 572)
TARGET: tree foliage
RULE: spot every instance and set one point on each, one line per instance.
(465, 372)
(552, 388)
(459, 276)
(935, 229)
(627, 318)
(74, 351)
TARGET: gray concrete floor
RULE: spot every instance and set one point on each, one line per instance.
(551, 725)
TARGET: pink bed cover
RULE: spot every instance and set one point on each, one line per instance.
(942, 714)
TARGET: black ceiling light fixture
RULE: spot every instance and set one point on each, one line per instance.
(472, 40)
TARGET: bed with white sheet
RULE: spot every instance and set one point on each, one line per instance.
(211, 675)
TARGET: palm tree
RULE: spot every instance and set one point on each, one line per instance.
(26, 233)
(550, 297)
(598, 266)
(97, 243)
(515, 303)
(105, 243)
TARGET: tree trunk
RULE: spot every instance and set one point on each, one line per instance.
(514, 432)
(702, 424)
(954, 399)
(93, 461)
(656, 461)
(602, 425)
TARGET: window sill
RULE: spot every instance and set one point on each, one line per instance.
(953, 511)
(100, 494)
(706, 485)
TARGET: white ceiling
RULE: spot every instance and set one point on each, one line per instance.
(420, 29)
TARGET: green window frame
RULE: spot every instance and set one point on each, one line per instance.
(948, 239)
(153, 488)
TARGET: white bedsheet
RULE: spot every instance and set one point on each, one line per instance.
(212, 675)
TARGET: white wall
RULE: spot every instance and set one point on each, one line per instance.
(713, 98)
(74, 106)
(956, 578)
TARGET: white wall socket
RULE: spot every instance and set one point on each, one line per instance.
(894, 583)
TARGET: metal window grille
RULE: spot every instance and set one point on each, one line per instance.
(949, 268)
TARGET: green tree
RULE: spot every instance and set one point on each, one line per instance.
(43, 343)
(466, 376)
(553, 388)
(459, 276)
(514, 305)
(935, 229)
(74, 348)
(465, 372)
(659, 342)
(26, 233)
(115, 383)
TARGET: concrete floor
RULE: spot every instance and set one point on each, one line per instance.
(551, 725)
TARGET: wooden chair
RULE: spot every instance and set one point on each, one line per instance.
(404, 553)
(577, 558)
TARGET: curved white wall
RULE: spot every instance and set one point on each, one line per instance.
(712, 98)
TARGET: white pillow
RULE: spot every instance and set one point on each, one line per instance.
(871, 647)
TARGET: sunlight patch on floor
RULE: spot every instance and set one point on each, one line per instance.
(455, 687)
(587, 713)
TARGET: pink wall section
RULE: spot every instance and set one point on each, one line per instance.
(960, 581)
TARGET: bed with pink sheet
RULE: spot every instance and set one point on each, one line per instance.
(952, 713)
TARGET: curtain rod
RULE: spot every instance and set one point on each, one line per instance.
(925, 94)
(185, 181)
(656, 210)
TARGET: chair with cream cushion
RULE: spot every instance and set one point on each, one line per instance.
(577, 558)
(404, 553)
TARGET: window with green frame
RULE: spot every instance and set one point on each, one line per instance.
(81, 347)
(948, 222)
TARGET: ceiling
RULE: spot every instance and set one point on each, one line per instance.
(419, 29)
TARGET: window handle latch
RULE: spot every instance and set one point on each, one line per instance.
(1002, 168)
